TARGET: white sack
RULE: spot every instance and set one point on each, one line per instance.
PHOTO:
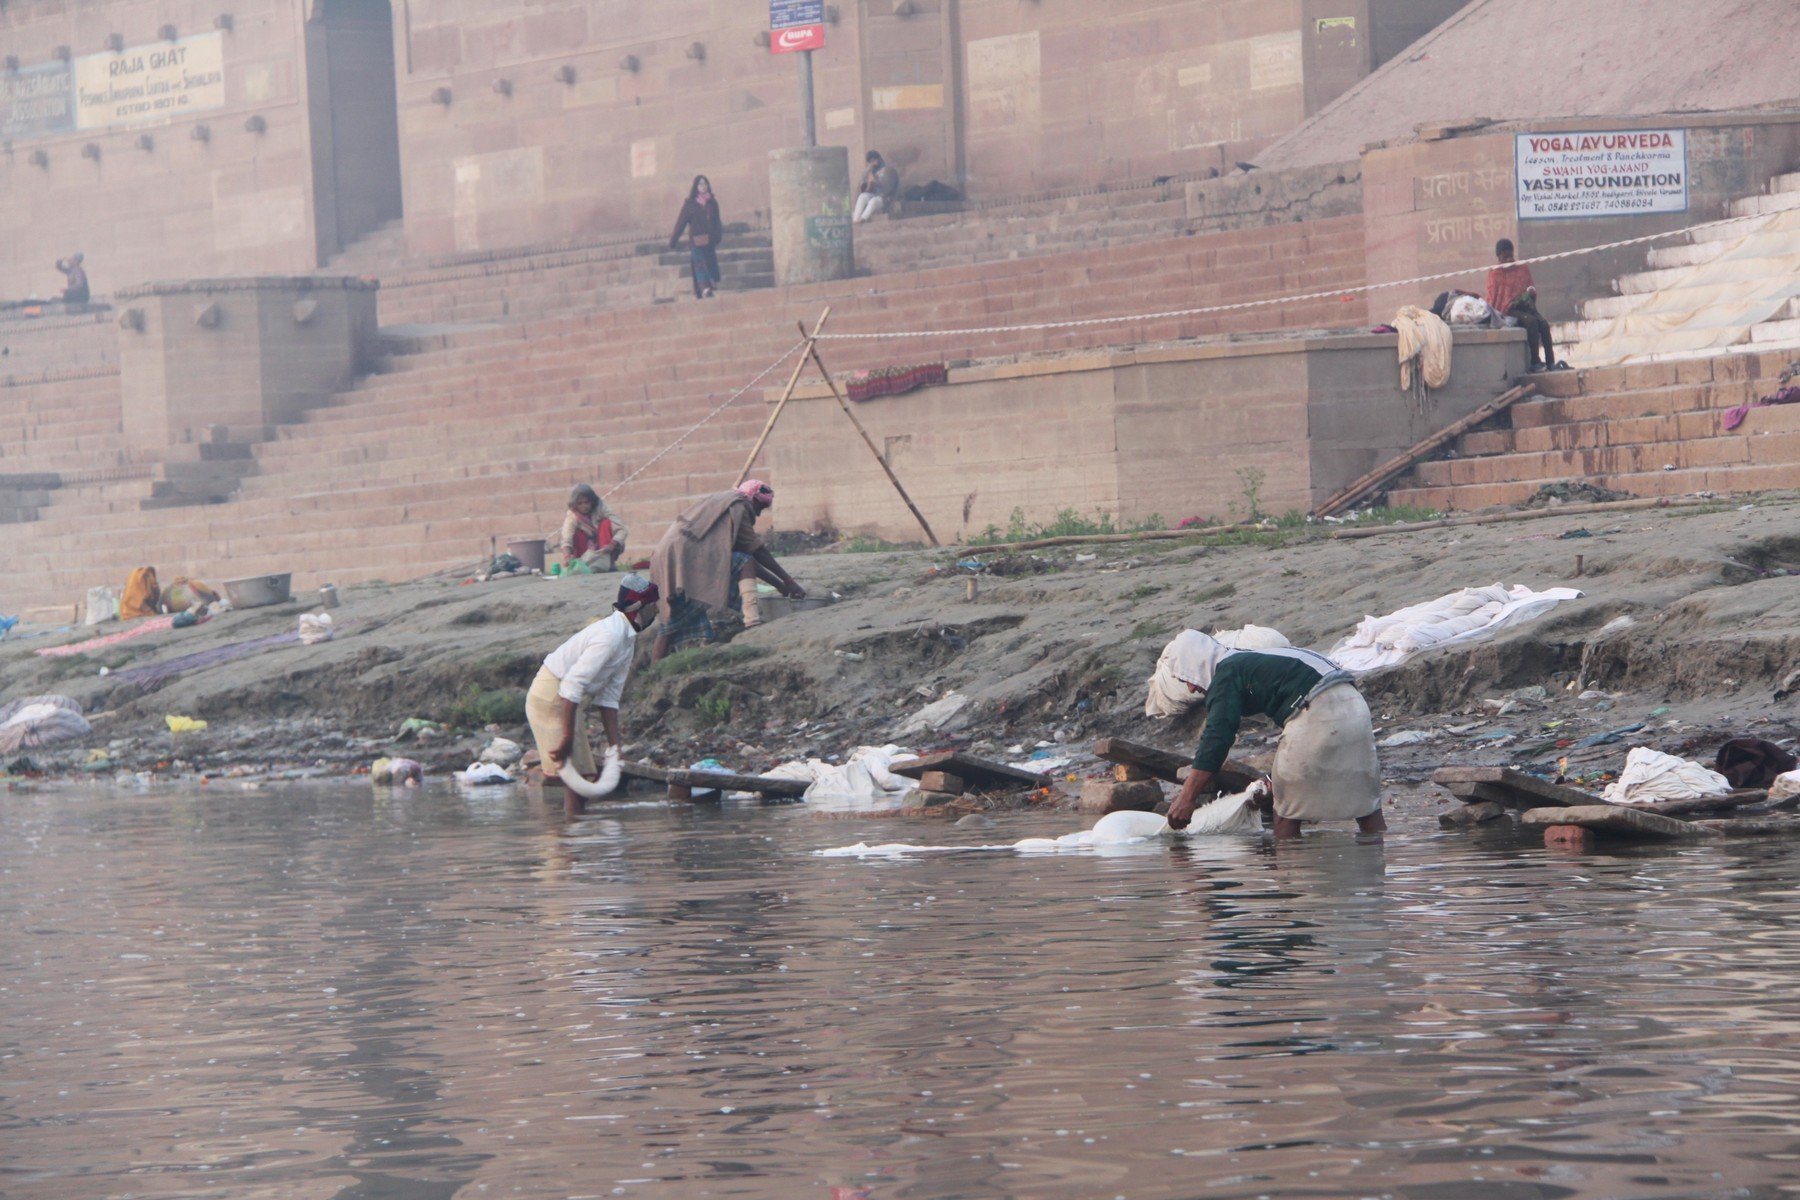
(48, 723)
(1470, 615)
(1651, 775)
(1785, 787)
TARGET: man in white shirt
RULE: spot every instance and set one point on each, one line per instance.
(592, 665)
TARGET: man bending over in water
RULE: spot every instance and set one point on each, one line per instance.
(1325, 764)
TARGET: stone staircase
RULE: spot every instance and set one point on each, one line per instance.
(1650, 429)
(473, 434)
(1730, 289)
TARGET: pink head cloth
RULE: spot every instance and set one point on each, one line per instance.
(756, 489)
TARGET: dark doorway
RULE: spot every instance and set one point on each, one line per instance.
(355, 119)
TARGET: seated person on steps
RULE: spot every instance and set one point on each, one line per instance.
(880, 185)
(1511, 294)
(592, 533)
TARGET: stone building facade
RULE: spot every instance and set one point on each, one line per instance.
(173, 138)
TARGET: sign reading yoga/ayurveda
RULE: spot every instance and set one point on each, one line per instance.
(140, 85)
(145, 84)
(1626, 173)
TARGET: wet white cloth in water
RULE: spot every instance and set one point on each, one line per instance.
(1191, 657)
(866, 780)
(480, 773)
(1226, 815)
(1651, 775)
(1469, 615)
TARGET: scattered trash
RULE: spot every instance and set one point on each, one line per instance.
(418, 728)
(180, 724)
(1410, 737)
(850, 655)
(934, 716)
(1785, 787)
(1651, 775)
(502, 751)
(1607, 738)
(1594, 694)
(482, 774)
(396, 771)
(1567, 534)
(1535, 694)
(6, 626)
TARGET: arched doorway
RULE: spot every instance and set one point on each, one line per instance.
(355, 119)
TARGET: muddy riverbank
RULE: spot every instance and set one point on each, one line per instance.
(1048, 649)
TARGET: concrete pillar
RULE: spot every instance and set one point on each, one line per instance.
(809, 206)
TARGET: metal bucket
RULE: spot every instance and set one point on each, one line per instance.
(259, 590)
(529, 552)
(328, 597)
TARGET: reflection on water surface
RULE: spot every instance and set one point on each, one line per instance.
(329, 993)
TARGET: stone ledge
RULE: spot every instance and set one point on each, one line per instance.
(250, 283)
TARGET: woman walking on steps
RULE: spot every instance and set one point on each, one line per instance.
(700, 220)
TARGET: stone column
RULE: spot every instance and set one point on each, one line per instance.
(809, 205)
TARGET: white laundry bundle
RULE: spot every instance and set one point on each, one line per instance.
(1651, 775)
(1469, 615)
(316, 628)
(38, 721)
(480, 773)
(867, 779)
(1785, 787)
(1169, 697)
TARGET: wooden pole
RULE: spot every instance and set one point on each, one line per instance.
(793, 381)
(812, 351)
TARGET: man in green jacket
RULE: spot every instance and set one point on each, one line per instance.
(1326, 768)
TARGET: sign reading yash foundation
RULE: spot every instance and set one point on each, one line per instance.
(1621, 174)
(146, 84)
(796, 25)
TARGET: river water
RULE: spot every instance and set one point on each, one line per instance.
(325, 992)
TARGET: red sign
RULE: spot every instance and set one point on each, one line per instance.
(798, 37)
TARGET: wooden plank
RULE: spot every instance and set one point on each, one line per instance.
(1393, 466)
(720, 781)
(1619, 819)
(978, 773)
(640, 770)
(1234, 776)
(1529, 791)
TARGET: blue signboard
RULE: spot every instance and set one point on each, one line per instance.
(37, 101)
(786, 14)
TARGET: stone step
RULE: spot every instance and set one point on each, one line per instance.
(1750, 206)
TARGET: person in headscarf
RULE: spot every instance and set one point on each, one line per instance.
(592, 533)
(1326, 767)
(591, 666)
(75, 280)
(708, 547)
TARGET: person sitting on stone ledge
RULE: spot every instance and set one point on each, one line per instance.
(702, 552)
(592, 533)
(75, 288)
(1512, 294)
(880, 185)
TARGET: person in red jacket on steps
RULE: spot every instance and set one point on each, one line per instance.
(1512, 294)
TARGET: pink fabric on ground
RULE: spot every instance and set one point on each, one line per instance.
(148, 625)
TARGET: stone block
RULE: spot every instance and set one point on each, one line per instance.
(924, 798)
(942, 781)
(1468, 815)
(1102, 796)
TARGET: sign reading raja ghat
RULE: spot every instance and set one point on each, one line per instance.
(140, 85)
(1617, 174)
(143, 84)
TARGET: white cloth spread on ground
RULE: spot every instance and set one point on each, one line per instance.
(595, 662)
(866, 780)
(39, 721)
(1470, 615)
(1185, 658)
(1424, 346)
(1227, 815)
(1651, 775)
(1707, 306)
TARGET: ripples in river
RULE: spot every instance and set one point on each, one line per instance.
(331, 993)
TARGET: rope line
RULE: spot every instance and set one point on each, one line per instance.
(729, 401)
(1244, 304)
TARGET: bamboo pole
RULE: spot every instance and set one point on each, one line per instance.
(793, 381)
(812, 351)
